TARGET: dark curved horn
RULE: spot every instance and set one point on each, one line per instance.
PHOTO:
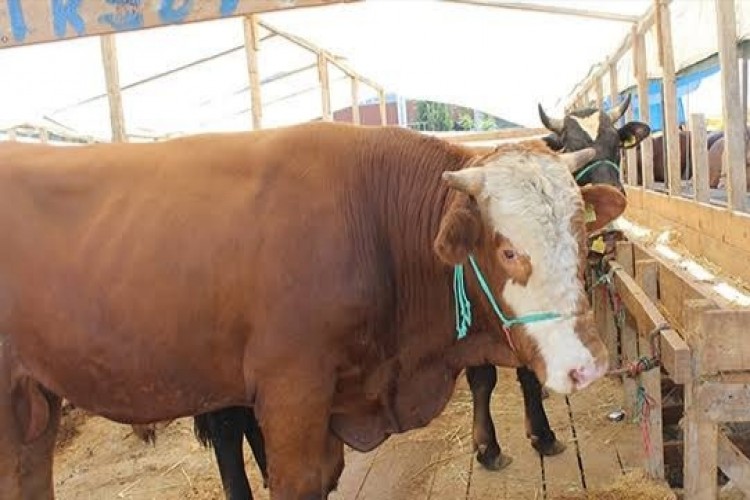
(553, 124)
(616, 113)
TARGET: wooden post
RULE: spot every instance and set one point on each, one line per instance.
(700, 450)
(12, 135)
(646, 275)
(325, 88)
(699, 154)
(252, 45)
(744, 85)
(628, 335)
(599, 90)
(614, 94)
(631, 155)
(669, 87)
(383, 109)
(112, 76)
(43, 135)
(605, 323)
(355, 101)
(734, 122)
(641, 75)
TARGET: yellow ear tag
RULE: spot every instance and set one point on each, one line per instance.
(590, 215)
(598, 245)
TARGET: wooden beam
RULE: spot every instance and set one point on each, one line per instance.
(734, 121)
(700, 440)
(699, 156)
(719, 339)
(644, 23)
(614, 94)
(26, 22)
(675, 352)
(308, 45)
(725, 401)
(112, 77)
(631, 155)
(251, 48)
(644, 111)
(325, 88)
(355, 101)
(646, 274)
(492, 135)
(549, 9)
(628, 334)
(383, 108)
(599, 92)
(734, 463)
(669, 87)
(705, 230)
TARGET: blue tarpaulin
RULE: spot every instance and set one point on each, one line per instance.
(686, 83)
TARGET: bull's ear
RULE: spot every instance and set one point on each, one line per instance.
(632, 133)
(603, 204)
(553, 142)
(459, 231)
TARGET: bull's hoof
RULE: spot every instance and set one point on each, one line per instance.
(493, 459)
(548, 448)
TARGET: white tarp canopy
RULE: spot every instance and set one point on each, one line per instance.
(496, 60)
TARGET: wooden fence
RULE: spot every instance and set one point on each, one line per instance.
(705, 348)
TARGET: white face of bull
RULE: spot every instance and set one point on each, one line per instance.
(533, 205)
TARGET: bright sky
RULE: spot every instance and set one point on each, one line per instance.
(499, 61)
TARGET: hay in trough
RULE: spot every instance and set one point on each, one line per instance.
(634, 485)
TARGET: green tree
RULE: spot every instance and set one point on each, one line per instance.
(466, 122)
(434, 115)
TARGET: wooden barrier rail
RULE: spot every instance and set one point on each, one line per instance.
(703, 348)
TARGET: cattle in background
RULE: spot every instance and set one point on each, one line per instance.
(579, 129)
(715, 148)
(716, 170)
(320, 273)
(658, 155)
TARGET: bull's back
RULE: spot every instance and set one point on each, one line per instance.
(165, 260)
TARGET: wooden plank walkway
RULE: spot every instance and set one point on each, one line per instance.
(97, 458)
(436, 463)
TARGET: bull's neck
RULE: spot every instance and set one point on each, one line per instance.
(409, 190)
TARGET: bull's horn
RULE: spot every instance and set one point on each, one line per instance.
(553, 124)
(469, 180)
(616, 113)
(576, 160)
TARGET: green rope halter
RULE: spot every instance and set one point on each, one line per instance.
(593, 165)
(463, 305)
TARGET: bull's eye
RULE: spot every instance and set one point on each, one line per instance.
(509, 254)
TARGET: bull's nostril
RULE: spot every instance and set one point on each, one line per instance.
(576, 375)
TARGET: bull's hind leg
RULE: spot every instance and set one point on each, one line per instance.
(29, 419)
(293, 408)
(542, 437)
(482, 380)
(222, 429)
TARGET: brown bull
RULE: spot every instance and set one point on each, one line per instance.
(310, 272)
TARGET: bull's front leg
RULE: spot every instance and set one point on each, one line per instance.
(29, 419)
(482, 380)
(293, 409)
(537, 426)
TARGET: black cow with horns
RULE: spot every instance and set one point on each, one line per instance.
(579, 129)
